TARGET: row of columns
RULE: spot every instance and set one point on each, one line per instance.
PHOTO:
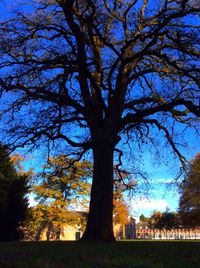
(182, 233)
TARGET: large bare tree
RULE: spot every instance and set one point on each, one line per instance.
(91, 72)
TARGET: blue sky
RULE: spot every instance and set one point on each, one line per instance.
(161, 197)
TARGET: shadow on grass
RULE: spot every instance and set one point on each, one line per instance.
(128, 254)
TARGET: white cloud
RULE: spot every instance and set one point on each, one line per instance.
(32, 201)
(143, 205)
(161, 181)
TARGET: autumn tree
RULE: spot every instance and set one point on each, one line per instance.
(13, 198)
(189, 203)
(61, 188)
(155, 219)
(63, 180)
(98, 75)
(120, 208)
(143, 218)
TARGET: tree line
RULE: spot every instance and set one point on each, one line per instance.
(163, 220)
(63, 187)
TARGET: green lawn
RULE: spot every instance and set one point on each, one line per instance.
(134, 254)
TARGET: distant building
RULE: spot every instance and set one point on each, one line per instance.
(143, 231)
(58, 231)
(75, 231)
(127, 231)
(68, 232)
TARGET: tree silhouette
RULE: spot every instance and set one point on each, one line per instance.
(13, 201)
(91, 73)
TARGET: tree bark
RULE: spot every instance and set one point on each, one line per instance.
(100, 223)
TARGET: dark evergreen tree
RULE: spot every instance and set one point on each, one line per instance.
(13, 200)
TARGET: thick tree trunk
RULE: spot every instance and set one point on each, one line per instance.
(99, 224)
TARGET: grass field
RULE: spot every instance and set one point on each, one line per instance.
(127, 254)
